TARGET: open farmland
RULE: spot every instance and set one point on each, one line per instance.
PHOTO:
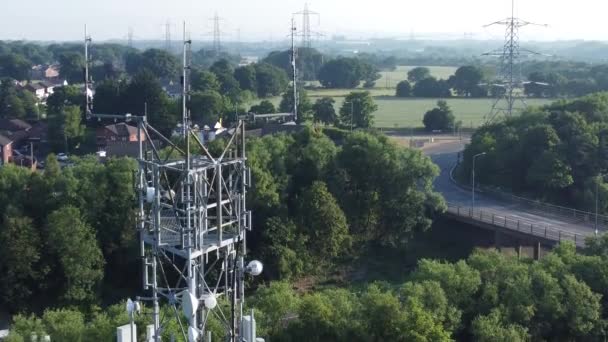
(396, 112)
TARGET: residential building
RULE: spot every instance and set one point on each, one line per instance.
(119, 140)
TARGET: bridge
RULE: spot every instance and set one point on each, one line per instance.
(507, 214)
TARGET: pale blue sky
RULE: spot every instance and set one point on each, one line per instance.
(263, 19)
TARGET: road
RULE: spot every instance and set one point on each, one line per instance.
(445, 155)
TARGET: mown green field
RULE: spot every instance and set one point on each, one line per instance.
(396, 112)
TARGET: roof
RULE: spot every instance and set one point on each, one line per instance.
(46, 84)
(122, 129)
(14, 125)
(34, 86)
(5, 140)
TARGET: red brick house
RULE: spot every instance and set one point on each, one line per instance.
(119, 140)
(6, 149)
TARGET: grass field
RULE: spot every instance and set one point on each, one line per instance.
(396, 112)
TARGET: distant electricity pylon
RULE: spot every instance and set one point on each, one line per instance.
(307, 33)
(217, 35)
(510, 83)
(130, 35)
(168, 35)
(294, 58)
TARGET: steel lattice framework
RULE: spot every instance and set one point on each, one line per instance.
(509, 85)
(192, 222)
(192, 219)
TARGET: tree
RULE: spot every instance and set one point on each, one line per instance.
(466, 81)
(357, 110)
(271, 81)
(492, 328)
(74, 247)
(344, 73)
(145, 91)
(264, 107)
(161, 63)
(224, 72)
(203, 80)
(324, 111)
(66, 128)
(19, 260)
(309, 62)
(323, 222)
(431, 87)
(418, 74)
(206, 107)
(108, 97)
(72, 66)
(15, 66)
(246, 76)
(404, 89)
(304, 104)
(64, 96)
(439, 118)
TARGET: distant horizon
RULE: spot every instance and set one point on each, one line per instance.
(269, 20)
(348, 39)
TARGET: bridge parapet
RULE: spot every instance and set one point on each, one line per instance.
(541, 230)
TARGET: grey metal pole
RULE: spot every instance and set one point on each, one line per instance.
(597, 190)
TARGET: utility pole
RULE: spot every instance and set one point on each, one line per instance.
(294, 57)
(87, 80)
(352, 114)
(597, 201)
(510, 80)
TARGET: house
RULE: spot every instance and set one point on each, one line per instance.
(119, 140)
(37, 90)
(6, 149)
(45, 72)
(42, 90)
(51, 71)
(48, 88)
(14, 125)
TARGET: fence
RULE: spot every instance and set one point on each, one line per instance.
(501, 220)
(547, 208)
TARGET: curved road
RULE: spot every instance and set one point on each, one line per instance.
(445, 155)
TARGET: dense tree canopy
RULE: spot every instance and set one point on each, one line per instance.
(555, 153)
(347, 73)
(309, 62)
(16, 102)
(60, 228)
(326, 180)
(404, 89)
(357, 110)
(431, 87)
(467, 81)
(325, 111)
(439, 118)
(418, 74)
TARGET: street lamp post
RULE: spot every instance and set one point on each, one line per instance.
(473, 174)
(597, 191)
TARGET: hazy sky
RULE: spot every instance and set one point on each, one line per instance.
(269, 19)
